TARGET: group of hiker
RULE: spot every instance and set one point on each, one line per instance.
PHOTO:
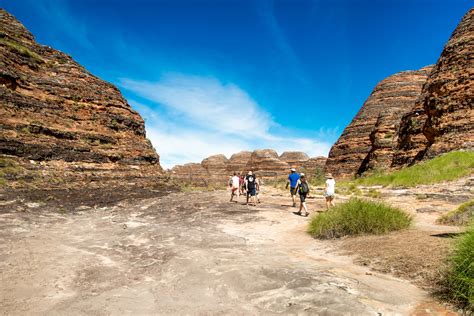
(250, 186)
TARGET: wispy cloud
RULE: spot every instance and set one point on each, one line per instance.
(206, 102)
(267, 14)
(191, 117)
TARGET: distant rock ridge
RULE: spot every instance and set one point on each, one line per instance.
(73, 124)
(216, 169)
(413, 115)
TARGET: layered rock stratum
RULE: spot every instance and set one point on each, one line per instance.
(368, 141)
(414, 115)
(443, 118)
(265, 163)
(60, 122)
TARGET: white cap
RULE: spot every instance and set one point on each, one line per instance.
(301, 174)
(293, 169)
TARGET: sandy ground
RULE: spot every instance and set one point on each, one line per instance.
(186, 253)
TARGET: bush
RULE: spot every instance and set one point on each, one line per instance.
(460, 216)
(460, 283)
(357, 217)
(446, 167)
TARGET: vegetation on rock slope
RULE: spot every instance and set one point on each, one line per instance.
(447, 167)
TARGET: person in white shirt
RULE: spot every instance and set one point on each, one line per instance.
(330, 190)
(234, 186)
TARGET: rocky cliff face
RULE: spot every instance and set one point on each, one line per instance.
(266, 163)
(314, 166)
(368, 141)
(443, 118)
(58, 115)
(414, 115)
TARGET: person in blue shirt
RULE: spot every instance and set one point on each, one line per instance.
(292, 182)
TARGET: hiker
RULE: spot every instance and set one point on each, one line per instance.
(257, 188)
(234, 186)
(251, 185)
(242, 184)
(330, 190)
(303, 190)
(293, 178)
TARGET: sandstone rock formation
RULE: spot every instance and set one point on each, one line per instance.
(368, 141)
(412, 116)
(216, 167)
(191, 173)
(266, 163)
(238, 162)
(294, 158)
(54, 111)
(443, 118)
(314, 166)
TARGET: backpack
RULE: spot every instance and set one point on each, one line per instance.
(304, 188)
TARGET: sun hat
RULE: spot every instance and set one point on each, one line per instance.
(329, 176)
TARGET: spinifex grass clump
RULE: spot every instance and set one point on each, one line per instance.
(460, 285)
(357, 217)
(460, 216)
(447, 167)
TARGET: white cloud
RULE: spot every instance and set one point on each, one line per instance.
(207, 102)
(194, 117)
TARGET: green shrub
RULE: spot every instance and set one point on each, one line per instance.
(357, 217)
(460, 216)
(460, 285)
(449, 166)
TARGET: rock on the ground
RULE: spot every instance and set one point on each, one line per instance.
(56, 112)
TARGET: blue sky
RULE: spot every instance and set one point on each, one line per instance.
(223, 76)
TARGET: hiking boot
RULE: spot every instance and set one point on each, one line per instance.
(306, 214)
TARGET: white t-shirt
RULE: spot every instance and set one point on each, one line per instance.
(235, 181)
(330, 186)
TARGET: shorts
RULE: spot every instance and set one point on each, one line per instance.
(303, 196)
(330, 196)
(251, 191)
(292, 191)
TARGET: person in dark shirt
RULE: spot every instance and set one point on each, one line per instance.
(251, 185)
(302, 186)
(292, 181)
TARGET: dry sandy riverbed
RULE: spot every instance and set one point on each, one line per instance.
(185, 253)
